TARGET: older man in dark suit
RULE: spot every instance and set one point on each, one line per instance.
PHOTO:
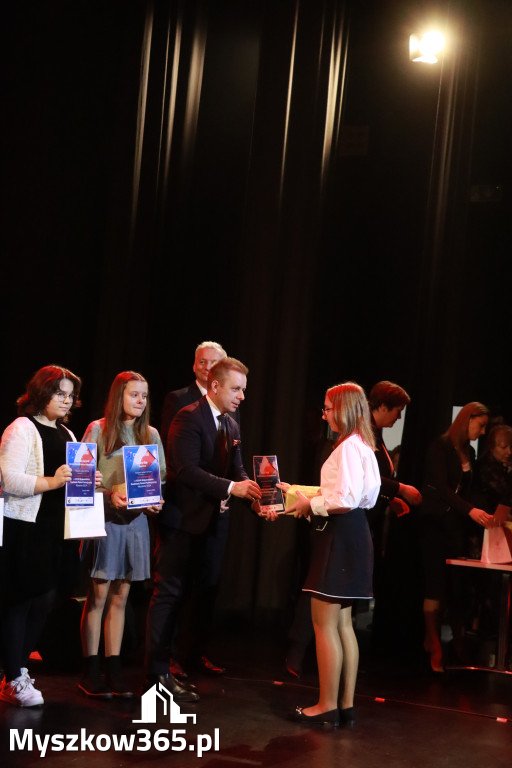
(204, 466)
(207, 354)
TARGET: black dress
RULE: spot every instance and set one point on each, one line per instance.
(445, 526)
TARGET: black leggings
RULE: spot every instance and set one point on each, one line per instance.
(21, 624)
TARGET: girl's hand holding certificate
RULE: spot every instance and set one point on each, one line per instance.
(154, 509)
(119, 500)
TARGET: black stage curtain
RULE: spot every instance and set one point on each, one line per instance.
(276, 176)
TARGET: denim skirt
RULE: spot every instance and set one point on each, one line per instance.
(124, 553)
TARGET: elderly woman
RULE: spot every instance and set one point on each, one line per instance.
(494, 473)
(493, 492)
(34, 554)
(446, 522)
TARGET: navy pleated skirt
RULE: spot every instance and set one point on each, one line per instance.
(342, 557)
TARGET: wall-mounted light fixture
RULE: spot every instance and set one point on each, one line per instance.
(426, 47)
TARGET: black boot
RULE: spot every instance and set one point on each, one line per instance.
(92, 681)
(114, 678)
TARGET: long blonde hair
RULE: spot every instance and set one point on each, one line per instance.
(351, 412)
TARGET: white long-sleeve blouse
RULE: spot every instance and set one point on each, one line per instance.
(350, 478)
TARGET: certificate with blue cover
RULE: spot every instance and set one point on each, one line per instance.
(266, 474)
(81, 458)
(142, 475)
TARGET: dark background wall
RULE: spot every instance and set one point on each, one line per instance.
(272, 174)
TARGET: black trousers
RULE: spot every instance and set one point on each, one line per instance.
(186, 565)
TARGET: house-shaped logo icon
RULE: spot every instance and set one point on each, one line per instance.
(148, 706)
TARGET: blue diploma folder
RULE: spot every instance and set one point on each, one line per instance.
(142, 475)
(81, 457)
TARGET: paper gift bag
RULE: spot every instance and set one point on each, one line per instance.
(85, 522)
(497, 546)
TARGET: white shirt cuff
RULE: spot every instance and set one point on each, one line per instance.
(318, 506)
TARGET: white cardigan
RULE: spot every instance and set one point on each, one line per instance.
(21, 463)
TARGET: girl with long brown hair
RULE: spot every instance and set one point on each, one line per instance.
(123, 555)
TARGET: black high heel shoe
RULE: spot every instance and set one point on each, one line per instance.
(348, 717)
(332, 717)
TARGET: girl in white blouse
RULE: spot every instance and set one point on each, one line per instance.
(35, 560)
(342, 558)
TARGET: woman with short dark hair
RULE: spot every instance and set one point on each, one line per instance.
(387, 401)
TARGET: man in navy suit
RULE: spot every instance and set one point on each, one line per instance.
(204, 468)
(207, 353)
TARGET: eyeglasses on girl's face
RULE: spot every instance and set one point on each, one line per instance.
(62, 396)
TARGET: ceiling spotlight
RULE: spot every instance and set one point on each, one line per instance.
(426, 47)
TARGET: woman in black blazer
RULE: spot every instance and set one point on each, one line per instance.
(447, 518)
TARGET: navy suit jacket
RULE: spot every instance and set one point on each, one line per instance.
(175, 401)
(196, 480)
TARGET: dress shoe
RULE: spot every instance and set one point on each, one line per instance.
(180, 693)
(332, 717)
(177, 670)
(208, 666)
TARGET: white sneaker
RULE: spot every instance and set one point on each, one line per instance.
(21, 691)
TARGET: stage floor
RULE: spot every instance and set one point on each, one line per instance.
(407, 717)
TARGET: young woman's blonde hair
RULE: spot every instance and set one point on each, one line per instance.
(114, 414)
(458, 430)
(351, 412)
